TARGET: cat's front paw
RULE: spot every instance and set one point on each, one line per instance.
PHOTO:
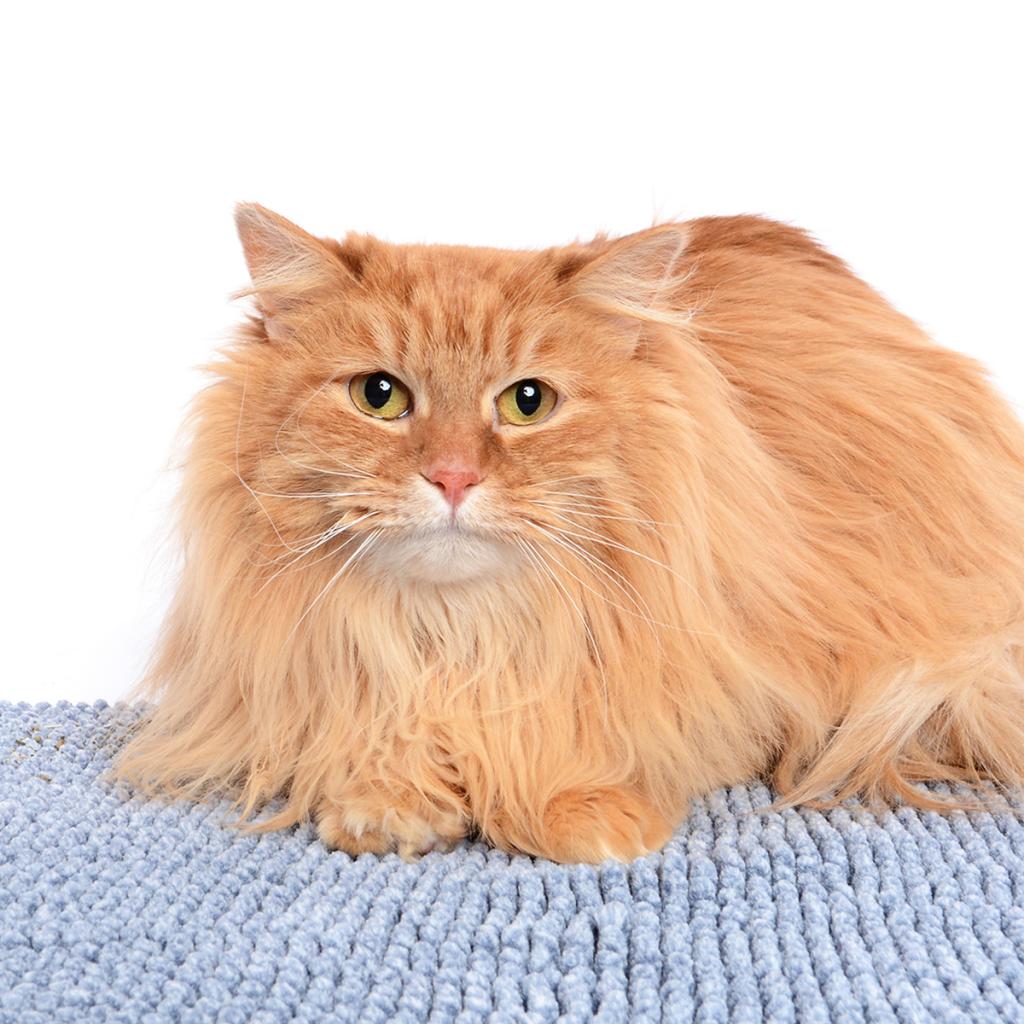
(592, 825)
(389, 830)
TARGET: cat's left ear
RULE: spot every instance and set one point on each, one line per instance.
(289, 267)
(631, 276)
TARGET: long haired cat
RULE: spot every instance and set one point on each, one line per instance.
(539, 545)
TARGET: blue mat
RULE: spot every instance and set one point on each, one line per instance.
(128, 910)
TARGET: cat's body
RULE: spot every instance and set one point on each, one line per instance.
(763, 526)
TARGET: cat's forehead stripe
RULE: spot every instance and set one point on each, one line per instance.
(475, 331)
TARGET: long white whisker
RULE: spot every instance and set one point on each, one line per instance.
(320, 469)
(302, 433)
(643, 610)
(538, 559)
(562, 479)
(366, 543)
(314, 494)
(596, 538)
(296, 414)
(590, 500)
(328, 535)
(302, 545)
(645, 613)
(238, 473)
(640, 613)
(291, 566)
(578, 510)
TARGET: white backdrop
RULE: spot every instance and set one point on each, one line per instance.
(128, 132)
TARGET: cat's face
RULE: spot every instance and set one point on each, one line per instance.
(441, 413)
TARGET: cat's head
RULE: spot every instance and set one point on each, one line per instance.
(443, 413)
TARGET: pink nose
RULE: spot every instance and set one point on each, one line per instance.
(454, 480)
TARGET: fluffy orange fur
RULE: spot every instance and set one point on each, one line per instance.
(770, 528)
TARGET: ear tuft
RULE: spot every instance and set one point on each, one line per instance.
(353, 255)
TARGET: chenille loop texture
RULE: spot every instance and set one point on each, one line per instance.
(118, 908)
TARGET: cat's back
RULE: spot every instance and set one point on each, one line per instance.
(905, 464)
(801, 336)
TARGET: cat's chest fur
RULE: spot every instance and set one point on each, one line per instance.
(488, 647)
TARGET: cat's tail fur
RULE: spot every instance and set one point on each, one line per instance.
(958, 721)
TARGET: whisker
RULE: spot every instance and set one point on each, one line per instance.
(596, 563)
(326, 537)
(578, 510)
(302, 433)
(366, 543)
(596, 538)
(315, 494)
(538, 559)
(319, 469)
(562, 479)
(589, 500)
(292, 567)
(237, 470)
(643, 609)
(296, 415)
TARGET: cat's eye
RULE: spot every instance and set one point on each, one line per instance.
(380, 395)
(526, 402)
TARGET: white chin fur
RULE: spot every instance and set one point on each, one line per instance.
(442, 555)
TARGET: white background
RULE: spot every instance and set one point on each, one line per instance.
(889, 129)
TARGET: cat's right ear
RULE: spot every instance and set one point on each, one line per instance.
(289, 267)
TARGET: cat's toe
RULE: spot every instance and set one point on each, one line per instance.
(337, 835)
(432, 843)
(592, 825)
(407, 835)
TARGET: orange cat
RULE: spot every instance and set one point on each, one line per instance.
(541, 544)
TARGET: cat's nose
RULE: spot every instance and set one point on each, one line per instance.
(454, 479)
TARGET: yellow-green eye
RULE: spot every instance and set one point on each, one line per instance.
(526, 402)
(380, 394)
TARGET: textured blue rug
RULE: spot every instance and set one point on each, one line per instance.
(115, 910)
